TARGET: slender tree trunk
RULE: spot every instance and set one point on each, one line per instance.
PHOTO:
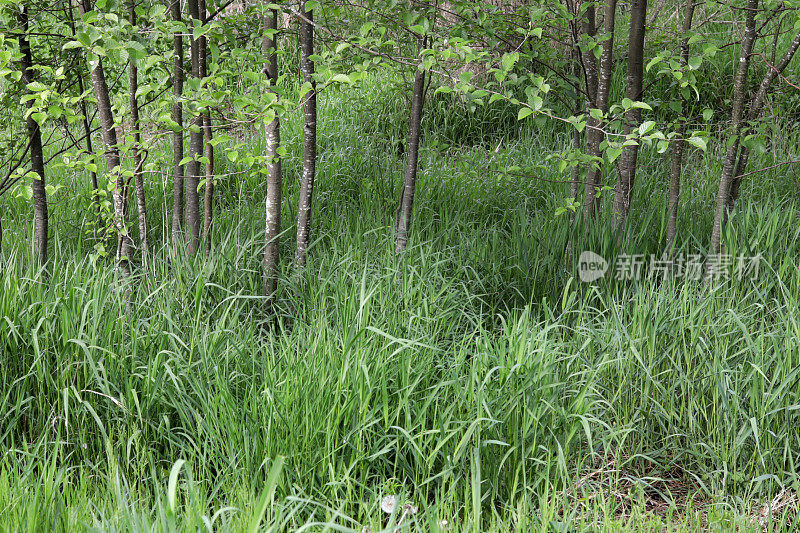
(589, 27)
(657, 11)
(737, 114)
(87, 127)
(177, 135)
(208, 199)
(581, 67)
(195, 149)
(595, 133)
(406, 206)
(633, 90)
(575, 174)
(87, 131)
(310, 143)
(112, 156)
(138, 176)
(581, 24)
(679, 146)
(755, 109)
(36, 151)
(274, 179)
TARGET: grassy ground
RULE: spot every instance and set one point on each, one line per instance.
(474, 378)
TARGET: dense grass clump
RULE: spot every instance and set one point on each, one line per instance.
(474, 377)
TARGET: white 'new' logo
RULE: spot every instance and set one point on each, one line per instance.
(591, 266)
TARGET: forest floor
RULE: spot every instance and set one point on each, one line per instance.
(474, 383)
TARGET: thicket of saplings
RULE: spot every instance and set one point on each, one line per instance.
(471, 382)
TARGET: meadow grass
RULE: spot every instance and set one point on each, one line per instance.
(474, 377)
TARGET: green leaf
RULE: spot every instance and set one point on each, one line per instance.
(653, 62)
(509, 60)
(135, 50)
(613, 153)
(342, 78)
(699, 142)
(83, 38)
(524, 112)
(172, 487)
(267, 494)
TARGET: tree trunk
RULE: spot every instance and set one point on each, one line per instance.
(138, 177)
(406, 206)
(755, 109)
(633, 90)
(87, 127)
(274, 179)
(310, 143)
(575, 174)
(679, 146)
(177, 136)
(195, 149)
(585, 66)
(87, 131)
(737, 113)
(208, 199)
(589, 27)
(594, 135)
(36, 151)
(109, 133)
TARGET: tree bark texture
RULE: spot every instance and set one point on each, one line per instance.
(177, 135)
(595, 133)
(274, 177)
(138, 176)
(208, 199)
(310, 138)
(406, 205)
(737, 114)
(633, 90)
(756, 106)
(109, 133)
(40, 218)
(679, 145)
(193, 167)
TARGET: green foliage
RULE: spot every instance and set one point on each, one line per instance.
(473, 378)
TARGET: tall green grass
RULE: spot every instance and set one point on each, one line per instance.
(474, 377)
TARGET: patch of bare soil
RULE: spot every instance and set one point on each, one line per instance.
(642, 491)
